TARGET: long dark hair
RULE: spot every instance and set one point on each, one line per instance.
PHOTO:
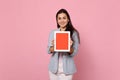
(69, 26)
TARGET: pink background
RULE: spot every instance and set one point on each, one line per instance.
(24, 30)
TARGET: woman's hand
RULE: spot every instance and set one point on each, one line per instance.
(71, 49)
(52, 47)
(71, 42)
(52, 42)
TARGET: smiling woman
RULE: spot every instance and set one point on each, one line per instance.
(61, 66)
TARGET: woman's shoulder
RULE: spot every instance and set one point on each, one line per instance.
(53, 30)
(57, 29)
(75, 32)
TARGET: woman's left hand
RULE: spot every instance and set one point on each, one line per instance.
(71, 49)
(71, 42)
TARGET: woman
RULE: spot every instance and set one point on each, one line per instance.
(61, 66)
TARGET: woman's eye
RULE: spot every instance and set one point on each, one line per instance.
(64, 17)
(59, 18)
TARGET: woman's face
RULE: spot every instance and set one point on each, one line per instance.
(62, 20)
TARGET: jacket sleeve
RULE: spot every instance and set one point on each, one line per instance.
(76, 42)
(51, 37)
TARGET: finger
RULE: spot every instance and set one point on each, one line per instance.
(52, 40)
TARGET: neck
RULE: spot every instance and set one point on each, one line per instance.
(63, 29)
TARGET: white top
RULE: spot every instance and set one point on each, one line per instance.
(60, 68)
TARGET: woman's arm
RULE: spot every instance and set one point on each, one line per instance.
(75, 45)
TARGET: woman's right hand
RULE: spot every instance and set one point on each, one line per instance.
(52, 42)
(52, 47)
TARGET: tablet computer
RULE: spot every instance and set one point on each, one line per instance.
(62, 41)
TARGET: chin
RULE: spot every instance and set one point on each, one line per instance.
(63, 26)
